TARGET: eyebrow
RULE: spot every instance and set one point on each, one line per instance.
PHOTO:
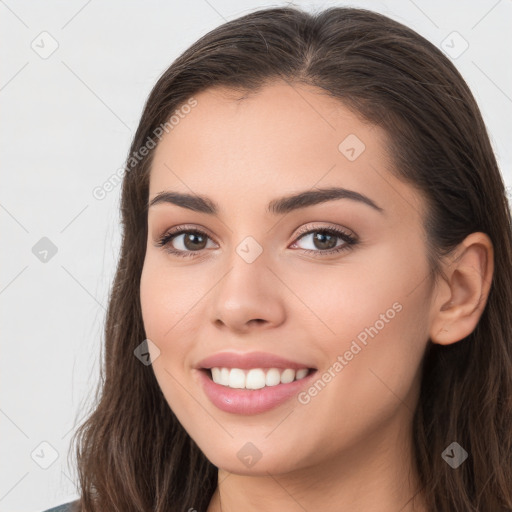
(286, 204)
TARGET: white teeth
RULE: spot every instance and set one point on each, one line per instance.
(287, 376)
(273, 377)
(301, 373)
(255, 378)
(216, 375)
(224, 376)
(236, 378)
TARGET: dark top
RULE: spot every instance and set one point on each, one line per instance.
(65, 507)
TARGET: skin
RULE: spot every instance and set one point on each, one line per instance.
(350, 447)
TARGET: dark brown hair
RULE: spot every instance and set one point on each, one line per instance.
(132, 453)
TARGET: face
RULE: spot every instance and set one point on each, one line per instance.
(334, 285)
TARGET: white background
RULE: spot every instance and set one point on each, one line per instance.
(66, 126)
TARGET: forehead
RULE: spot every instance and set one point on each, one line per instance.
(281, 139)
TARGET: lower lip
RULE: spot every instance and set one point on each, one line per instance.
(250, 401)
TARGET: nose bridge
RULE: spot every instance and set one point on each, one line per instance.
(248, 290)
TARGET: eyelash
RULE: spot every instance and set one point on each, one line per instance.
(350, 241)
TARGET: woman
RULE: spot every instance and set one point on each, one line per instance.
(311, 309)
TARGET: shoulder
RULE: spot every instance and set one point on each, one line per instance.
(65, 507)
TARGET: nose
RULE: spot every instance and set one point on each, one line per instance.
(248, 296)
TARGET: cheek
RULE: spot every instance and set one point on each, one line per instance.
(168, 300)
(379, 287)
(168, 317)
(374, 327)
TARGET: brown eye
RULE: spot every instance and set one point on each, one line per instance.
(324, 241)
(193, 241)
(184, 242)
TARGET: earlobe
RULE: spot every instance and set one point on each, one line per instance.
(462, 294)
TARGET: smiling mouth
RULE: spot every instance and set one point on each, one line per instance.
(255, 378)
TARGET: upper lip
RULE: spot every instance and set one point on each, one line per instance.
(246, 360)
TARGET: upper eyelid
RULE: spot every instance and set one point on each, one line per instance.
(308, 228)
(180, 230)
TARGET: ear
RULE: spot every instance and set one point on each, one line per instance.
(463, 291)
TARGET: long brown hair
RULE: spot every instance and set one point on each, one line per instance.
(132, 453)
